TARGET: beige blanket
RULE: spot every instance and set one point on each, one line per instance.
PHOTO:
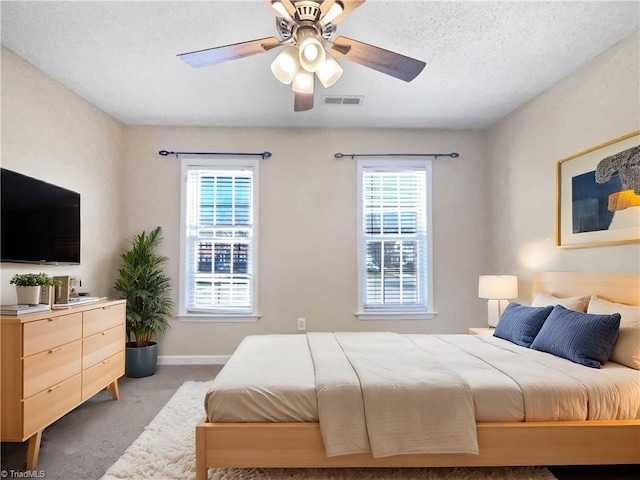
(407, 401)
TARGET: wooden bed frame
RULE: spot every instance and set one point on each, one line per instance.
(299, 445)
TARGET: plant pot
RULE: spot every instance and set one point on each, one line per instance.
(28, 295)
(141, 361)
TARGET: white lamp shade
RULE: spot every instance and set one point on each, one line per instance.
(279, 7)
(330, 72)
(303, 82)
(286, 65)
(334, 11)
(312, 54)
(498, 287)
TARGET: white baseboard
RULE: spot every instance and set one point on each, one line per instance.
(193, 359)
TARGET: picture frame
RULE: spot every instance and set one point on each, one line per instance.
(47, 294)
(590, 211)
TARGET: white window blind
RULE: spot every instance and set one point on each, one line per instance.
(394, 263)
(219, 240)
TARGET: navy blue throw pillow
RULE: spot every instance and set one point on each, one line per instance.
(583, 338)
(520, 324)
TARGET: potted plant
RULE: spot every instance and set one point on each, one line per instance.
(28, 286)
(142, 282)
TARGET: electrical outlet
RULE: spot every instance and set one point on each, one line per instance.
(302, 324)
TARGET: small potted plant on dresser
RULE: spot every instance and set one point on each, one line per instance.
(142, 282)
(29, 285)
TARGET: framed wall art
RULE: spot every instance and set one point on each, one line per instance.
(598, 195)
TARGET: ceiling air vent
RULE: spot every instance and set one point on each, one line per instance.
(343, 100)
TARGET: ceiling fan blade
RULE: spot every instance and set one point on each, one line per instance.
(213, 56)
(348, 7)
(385, 61)
(325, 6)
(302, 102)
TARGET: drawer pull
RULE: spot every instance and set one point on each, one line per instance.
(55, 349)
(54, 388)
(105, 332)
(106, 308)
(106, 361)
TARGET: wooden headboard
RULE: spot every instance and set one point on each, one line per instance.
(615, 287)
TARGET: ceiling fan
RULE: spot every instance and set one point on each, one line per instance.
(306, 29)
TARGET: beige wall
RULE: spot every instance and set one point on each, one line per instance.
(52, 134)
(599, 102)
(493, 206)
(307, 202)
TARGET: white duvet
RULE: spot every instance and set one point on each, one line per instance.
(385, 392)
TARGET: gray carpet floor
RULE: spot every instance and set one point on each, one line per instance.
(88, 440)
(83, 444)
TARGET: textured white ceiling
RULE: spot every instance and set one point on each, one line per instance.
(484, 59)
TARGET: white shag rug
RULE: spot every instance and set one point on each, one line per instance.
(165, 450)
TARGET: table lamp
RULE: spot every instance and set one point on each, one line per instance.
(497, 289)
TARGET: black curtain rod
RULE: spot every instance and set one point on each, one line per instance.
(434, 155)
(262, 155)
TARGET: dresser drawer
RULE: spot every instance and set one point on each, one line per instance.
(46, 407)
(51, 333)
(49, 368)
(102, 345)
(101, 319)
(99, 376)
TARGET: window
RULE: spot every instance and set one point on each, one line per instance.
(394, 240)
(219, 229)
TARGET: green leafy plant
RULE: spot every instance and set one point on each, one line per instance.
(33, 280)
(142, 282)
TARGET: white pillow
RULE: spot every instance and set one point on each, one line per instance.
(579, 304)
(627, 348)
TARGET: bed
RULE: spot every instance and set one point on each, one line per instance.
(507, 442)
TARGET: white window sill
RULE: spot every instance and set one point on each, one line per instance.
(395, 315)
(218, 318)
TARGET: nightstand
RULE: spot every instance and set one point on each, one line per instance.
(481, 330)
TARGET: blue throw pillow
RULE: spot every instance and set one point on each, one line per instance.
(583, 338)
(520, 324)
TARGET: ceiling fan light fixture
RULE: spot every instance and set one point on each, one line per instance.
(303, 82)
(312, 54)
(306, 29)
(286, 65)
(330, 72)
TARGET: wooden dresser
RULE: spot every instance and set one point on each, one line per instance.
(53, 361)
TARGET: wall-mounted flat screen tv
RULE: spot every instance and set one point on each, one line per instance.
(40, 221)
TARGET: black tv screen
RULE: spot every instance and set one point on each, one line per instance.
(40, 221)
